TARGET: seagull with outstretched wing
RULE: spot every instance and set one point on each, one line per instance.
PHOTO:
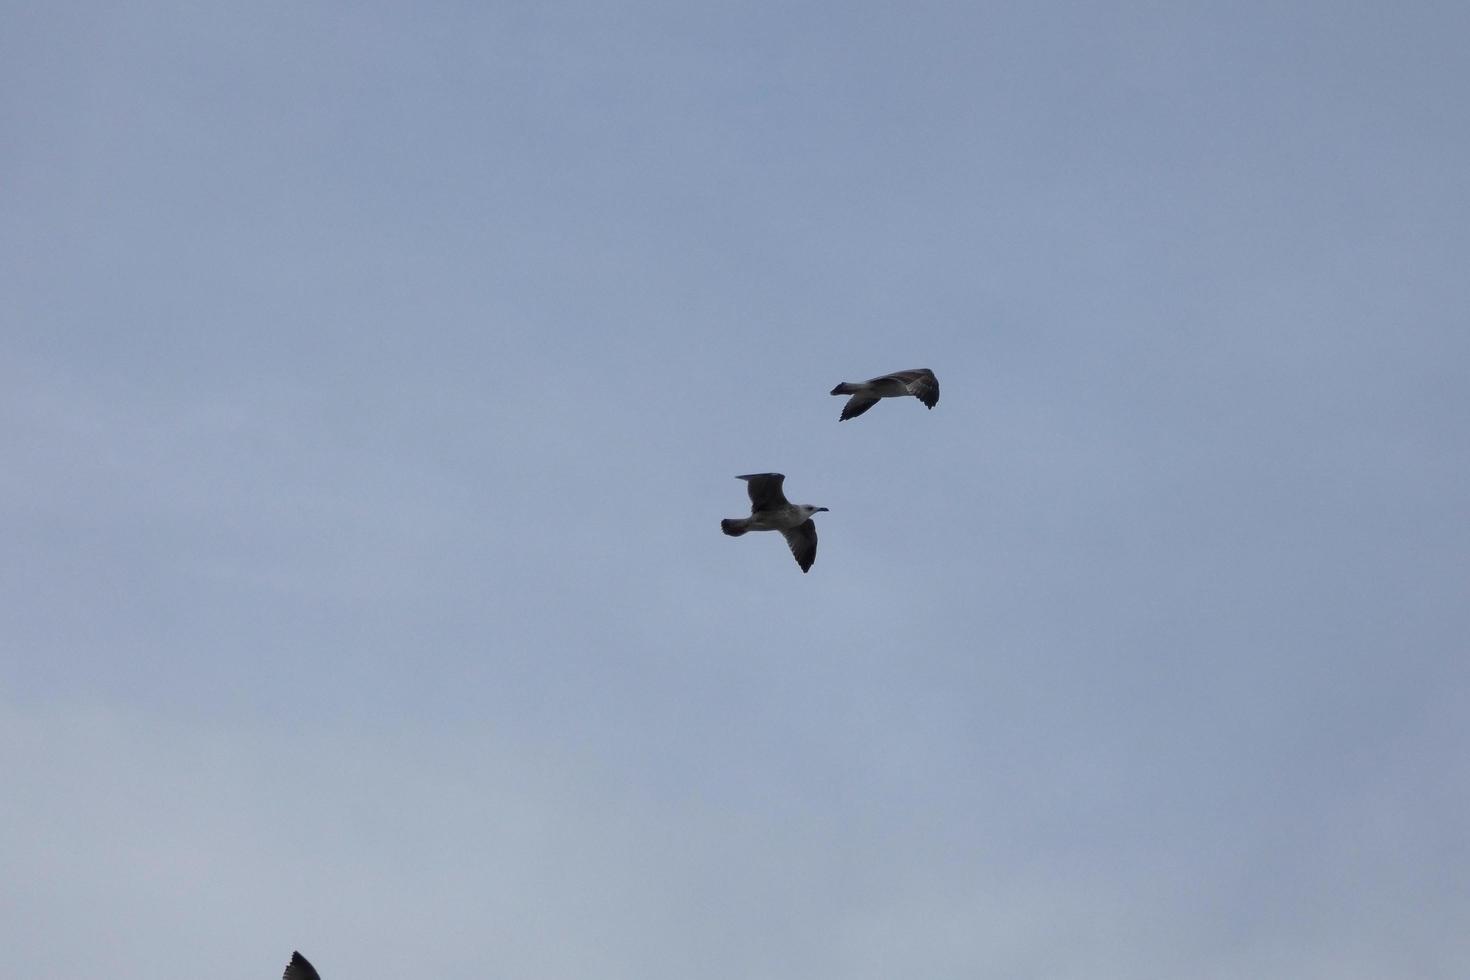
(771, 511)
(919, 382)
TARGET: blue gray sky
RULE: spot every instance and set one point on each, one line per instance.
(373, 378)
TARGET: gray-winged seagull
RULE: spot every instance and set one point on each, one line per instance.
(300, 969)
(919, 382)
(771, 511)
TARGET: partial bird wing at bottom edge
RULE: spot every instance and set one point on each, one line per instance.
(300, 969)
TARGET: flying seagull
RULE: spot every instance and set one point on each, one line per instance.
(919, 382)
(300, 969)
(771, 511)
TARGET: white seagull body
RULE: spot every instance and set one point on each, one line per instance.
(920, 382)
(771, 511)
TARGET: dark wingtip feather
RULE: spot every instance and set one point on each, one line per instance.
(300, 969)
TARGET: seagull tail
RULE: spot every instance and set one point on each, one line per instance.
(734, 526)
(846, 388)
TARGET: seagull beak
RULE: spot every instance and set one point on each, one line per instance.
(821, 508)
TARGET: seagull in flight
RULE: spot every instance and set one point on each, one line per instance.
(300, 969)
(920, 382)
(771, 511)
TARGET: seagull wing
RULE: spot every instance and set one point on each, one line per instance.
(765, 490)
(921, 383)
(802, 540)
(300, 969)
(856, 405)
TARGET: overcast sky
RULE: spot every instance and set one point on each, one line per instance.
(373, 378)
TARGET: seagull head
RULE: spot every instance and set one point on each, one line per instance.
(809, 510)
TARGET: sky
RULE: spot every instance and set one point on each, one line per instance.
(373, 378)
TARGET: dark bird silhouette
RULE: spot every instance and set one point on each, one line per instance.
(771, 511)
(919, 382)
(300, 969)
